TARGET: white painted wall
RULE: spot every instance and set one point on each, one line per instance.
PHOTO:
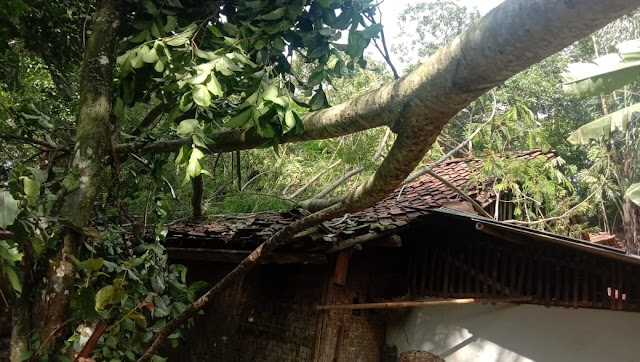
(518, 333)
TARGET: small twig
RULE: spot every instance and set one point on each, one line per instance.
(311, 181)
(4, 299)
(462, 194)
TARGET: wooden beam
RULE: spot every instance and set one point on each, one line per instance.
(342, 267)
(421, 303)
(236, 256)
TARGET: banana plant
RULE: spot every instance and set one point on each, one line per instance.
(605, 75)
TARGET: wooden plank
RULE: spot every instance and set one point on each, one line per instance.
(445, 281)
(432, 275)
(342, 267)
(547, 283)
(575, 287)
(558, 284)
(425, 263)
(585, 287)
(476, 265)
(421, 303)
(485, 287)
(523, 270)
(513, 275)
(236, 256)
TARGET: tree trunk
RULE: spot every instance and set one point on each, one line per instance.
(51, 302)
(631, 224)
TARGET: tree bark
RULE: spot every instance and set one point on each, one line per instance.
(512, 37)
(51, 309)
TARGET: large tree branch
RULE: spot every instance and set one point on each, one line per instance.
(512, 37)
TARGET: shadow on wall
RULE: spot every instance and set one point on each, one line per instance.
(508, 332)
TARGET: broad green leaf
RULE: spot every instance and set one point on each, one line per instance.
(12, 275)
(138, 318)
(9, 252)
(31, 189)
(602, 127)
(239, 119)
(274, 15)
(8, 209)
(271, 92)
(201, 96)
(40, 175)
(318, 101)
(25, 356)
(606, 74)
(214, 86)
(185, 151)
(633, 193)
(159, 66)
(215, 31)
(194, 168)
(92, 264)
(188, 127)
(289, 120)
(108, 295)
(372, 31)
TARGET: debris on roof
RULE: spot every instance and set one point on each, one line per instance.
(403, 206)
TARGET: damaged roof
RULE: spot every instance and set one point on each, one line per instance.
(406, 204)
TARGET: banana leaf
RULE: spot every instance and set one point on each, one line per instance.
(606, 74)
(633, 193)
(602, 127)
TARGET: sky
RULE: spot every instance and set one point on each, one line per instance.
(392, 8)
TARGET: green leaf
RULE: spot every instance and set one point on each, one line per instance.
(372, 31)
(40, 175)
(270, 93)
(603, 126)
(315, 78)
(607, 73)
(87, 303)
(633, 193)
(108, 295)
(139, 318)
(25, 356)
(92, 264)
(274, 15)
(289, 120)
(215, 31)
(12, 275)
(31, 189)
(318, 101)
(214, 86)
(185, 151)
(239, 119)
(188, 127)
(201, 96)
(8, 209)
(194, 168)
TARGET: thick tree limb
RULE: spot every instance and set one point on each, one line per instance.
(512, 37)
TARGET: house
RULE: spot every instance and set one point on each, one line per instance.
(415, 276)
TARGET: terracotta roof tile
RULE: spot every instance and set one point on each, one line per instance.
(397, 209)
